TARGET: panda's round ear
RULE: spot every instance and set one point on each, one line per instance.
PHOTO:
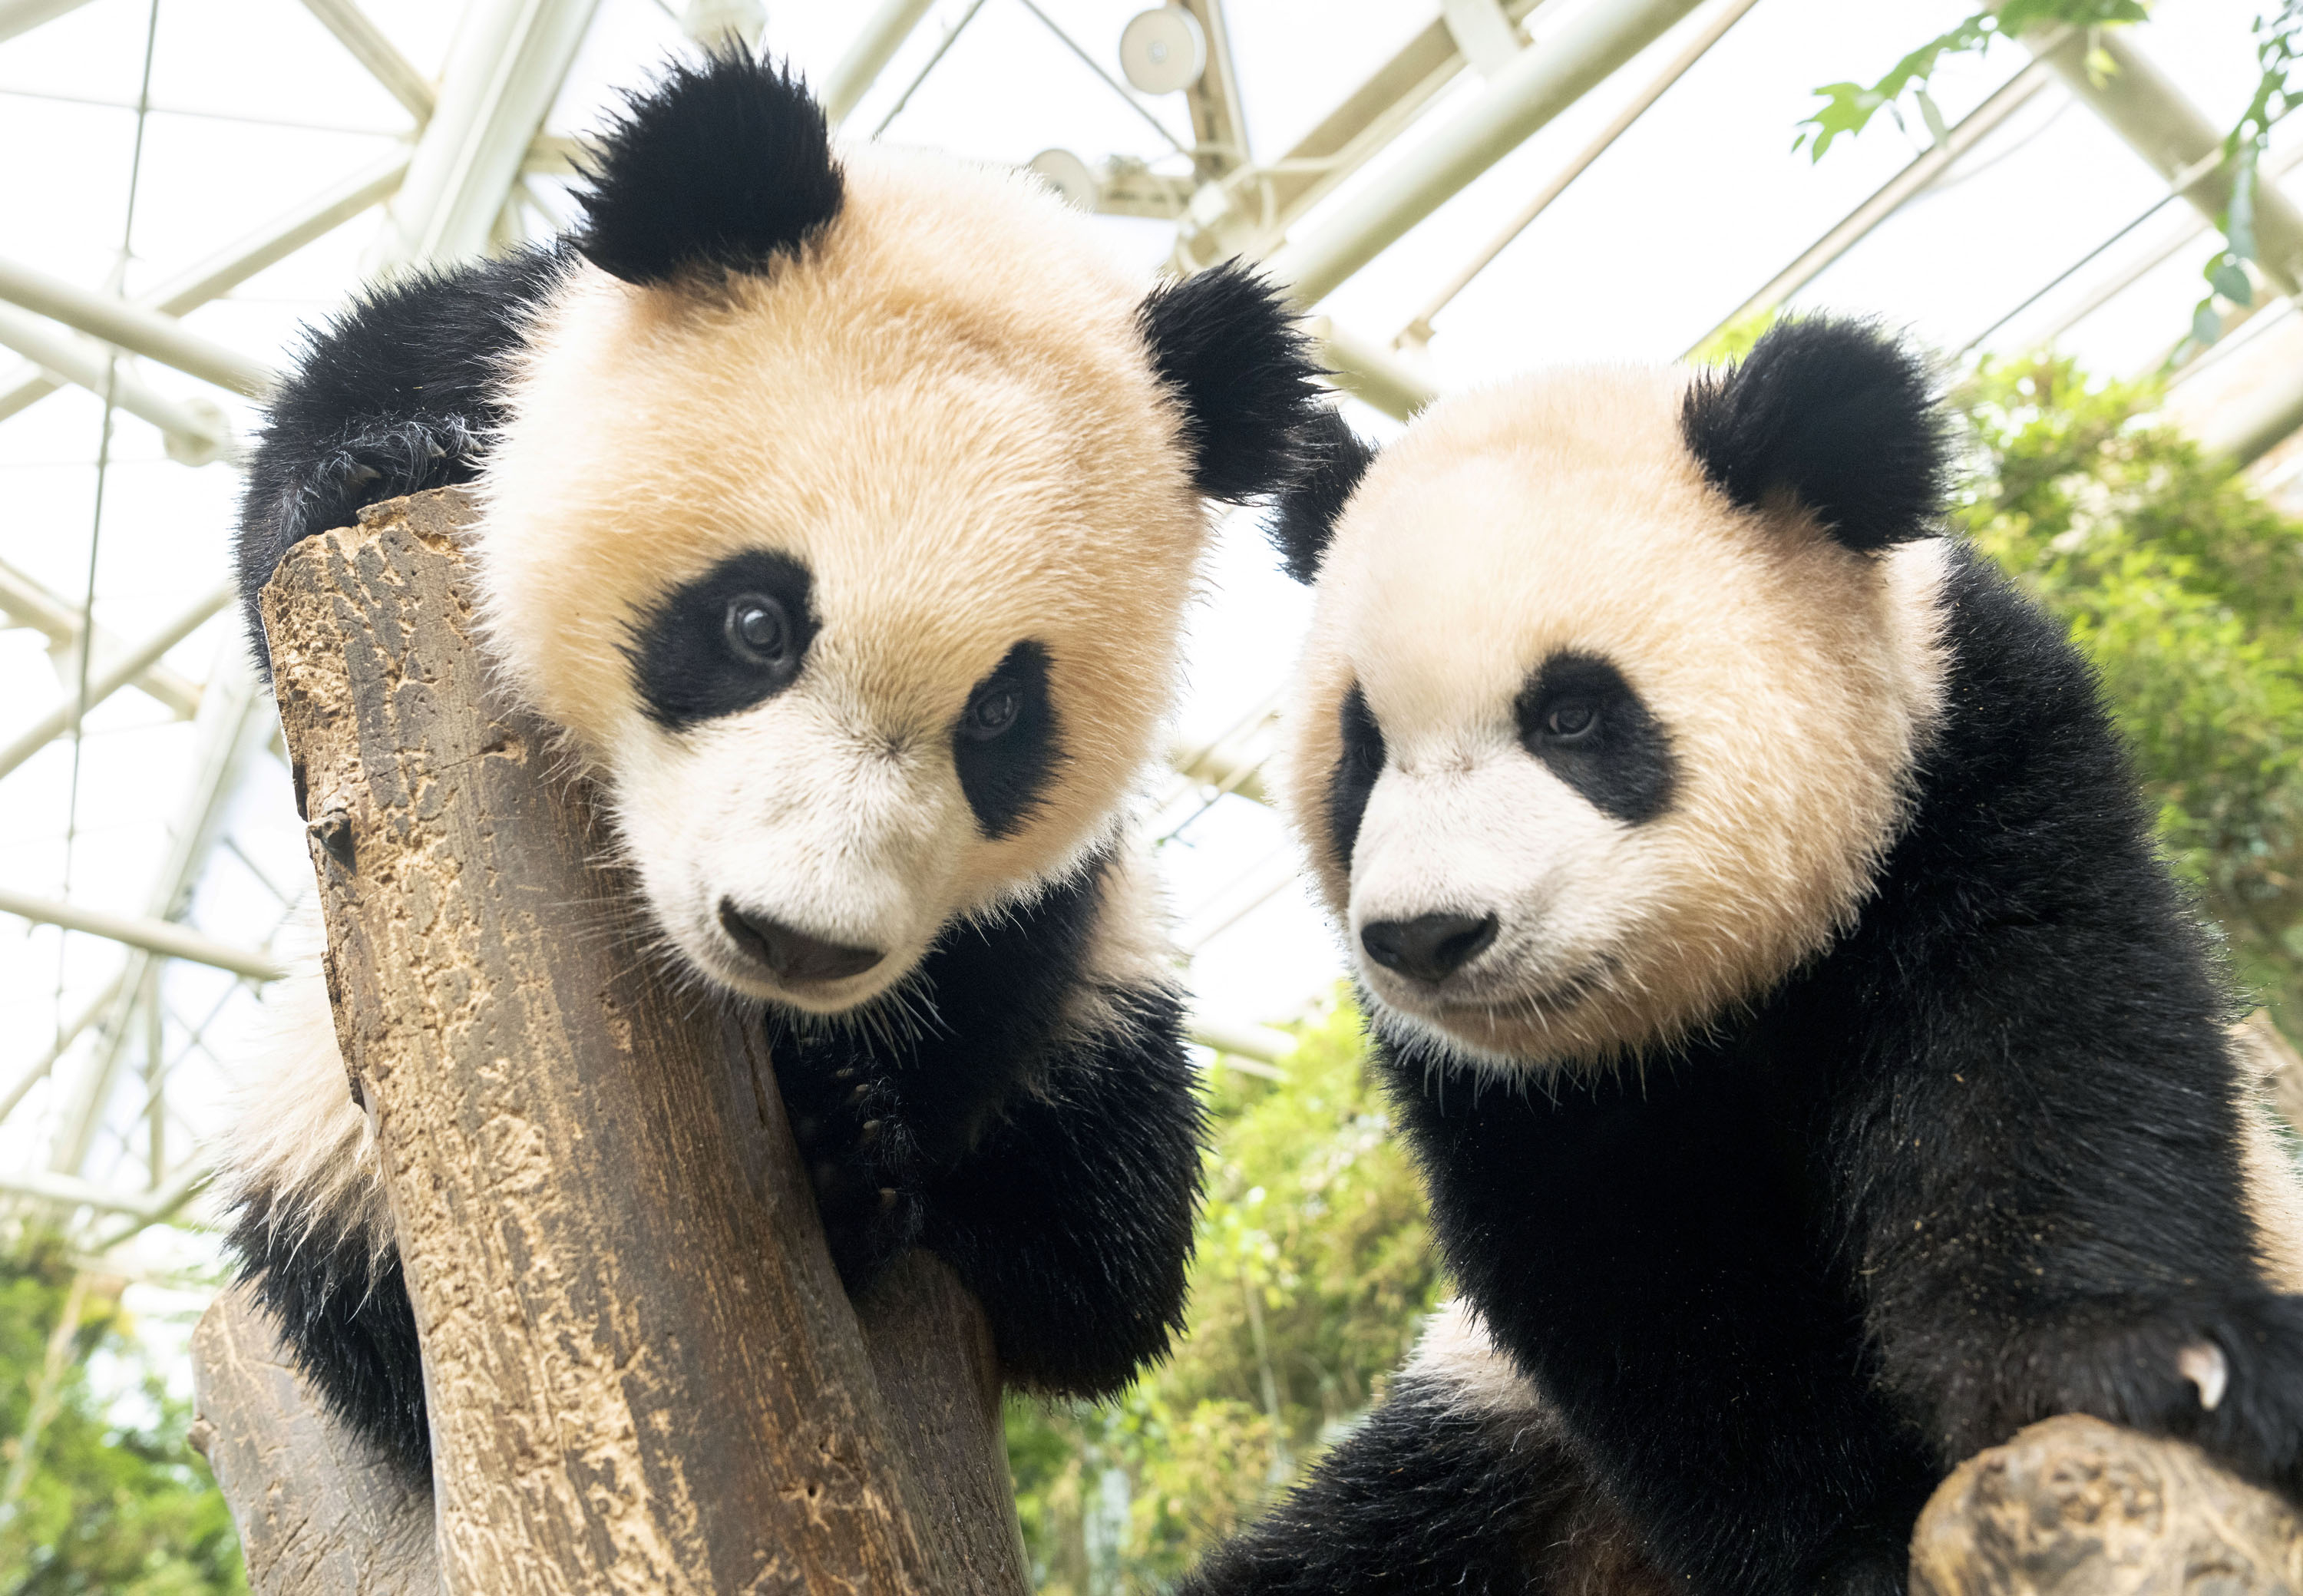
(724, 165)
(1227, 347)
(1838, 414)
(1334, 458)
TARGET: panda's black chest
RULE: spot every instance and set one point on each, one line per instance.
(1656, 1249)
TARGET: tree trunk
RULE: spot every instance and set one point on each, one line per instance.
(2075, 1507)
(642, 1373)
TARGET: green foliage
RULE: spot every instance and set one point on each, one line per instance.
(1313, 1269)
(2187, 593)
(109, 1505)
(2278, 52)
(1849, 107)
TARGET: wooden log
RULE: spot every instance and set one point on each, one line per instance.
(2074, 1506)
(642, 1373)
(318, 1511)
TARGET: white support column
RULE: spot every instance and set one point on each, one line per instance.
(504, 71)
(1525, 95)
(1369, 372)
(876, 45)
(220, 273)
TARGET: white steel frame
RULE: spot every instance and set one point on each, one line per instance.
(457, 190)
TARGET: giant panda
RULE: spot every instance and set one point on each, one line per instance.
(841, 510)
(1815, 1073)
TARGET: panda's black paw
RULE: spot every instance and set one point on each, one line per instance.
(859, 1158)
(2243, 1398)
(2228, 1376)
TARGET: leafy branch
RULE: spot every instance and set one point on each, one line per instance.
(2278, 55)
(1849, 107)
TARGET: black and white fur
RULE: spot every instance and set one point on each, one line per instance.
(841, 510)
(1816, 1074)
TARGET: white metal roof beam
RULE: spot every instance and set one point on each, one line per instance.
(164, 937)
(135, 328)
(2141, 103)
(1534, 86)
(193, 438)
(379, 54)
(504, 71)
(1891, 197)
(22, 16)
(228, 268)
(230, 732)
(26, 603)
(867, 55)
(115, 676)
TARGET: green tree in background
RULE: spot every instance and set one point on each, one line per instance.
(2186, 593)
(126, 1508)
(1313, 1270)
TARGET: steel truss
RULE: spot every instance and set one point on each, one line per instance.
(457, 189)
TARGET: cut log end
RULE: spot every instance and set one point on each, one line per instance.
(2075, 1507)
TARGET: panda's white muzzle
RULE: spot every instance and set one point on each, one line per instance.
(1476, 883)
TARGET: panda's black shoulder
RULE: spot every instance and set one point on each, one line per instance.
(392, 396)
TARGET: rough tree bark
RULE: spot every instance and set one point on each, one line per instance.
(2075, 1507)
(644, 1374)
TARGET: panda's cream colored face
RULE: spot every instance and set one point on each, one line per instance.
(1620, 755)
(859, 583)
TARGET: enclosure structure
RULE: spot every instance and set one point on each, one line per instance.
(144, 783)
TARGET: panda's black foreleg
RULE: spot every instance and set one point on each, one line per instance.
(1070, 1217)
(1431, 1494)
(340, 1304)
(2052, 1215)
(1067, 1209)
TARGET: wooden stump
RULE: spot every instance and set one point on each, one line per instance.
(2075, 1507)
(642, 1373)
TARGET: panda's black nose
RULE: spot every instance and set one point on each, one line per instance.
(791, 954)
(1430, 947)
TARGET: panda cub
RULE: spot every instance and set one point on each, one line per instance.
(843, 511)
(1816, 1073)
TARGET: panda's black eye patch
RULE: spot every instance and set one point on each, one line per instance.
(1580, 717)
(731, 638)
(1354, 779)
(1005, 745)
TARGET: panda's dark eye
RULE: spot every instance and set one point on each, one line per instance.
(993, 710)
(1571, 720)
(759, 631)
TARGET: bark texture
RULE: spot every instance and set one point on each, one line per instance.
(318, 1512)
(642, 1373)
(2075, 1507)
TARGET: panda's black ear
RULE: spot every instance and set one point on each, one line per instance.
(724, 165)
(1304, 520)
(1230, 350)
(1837, 413)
